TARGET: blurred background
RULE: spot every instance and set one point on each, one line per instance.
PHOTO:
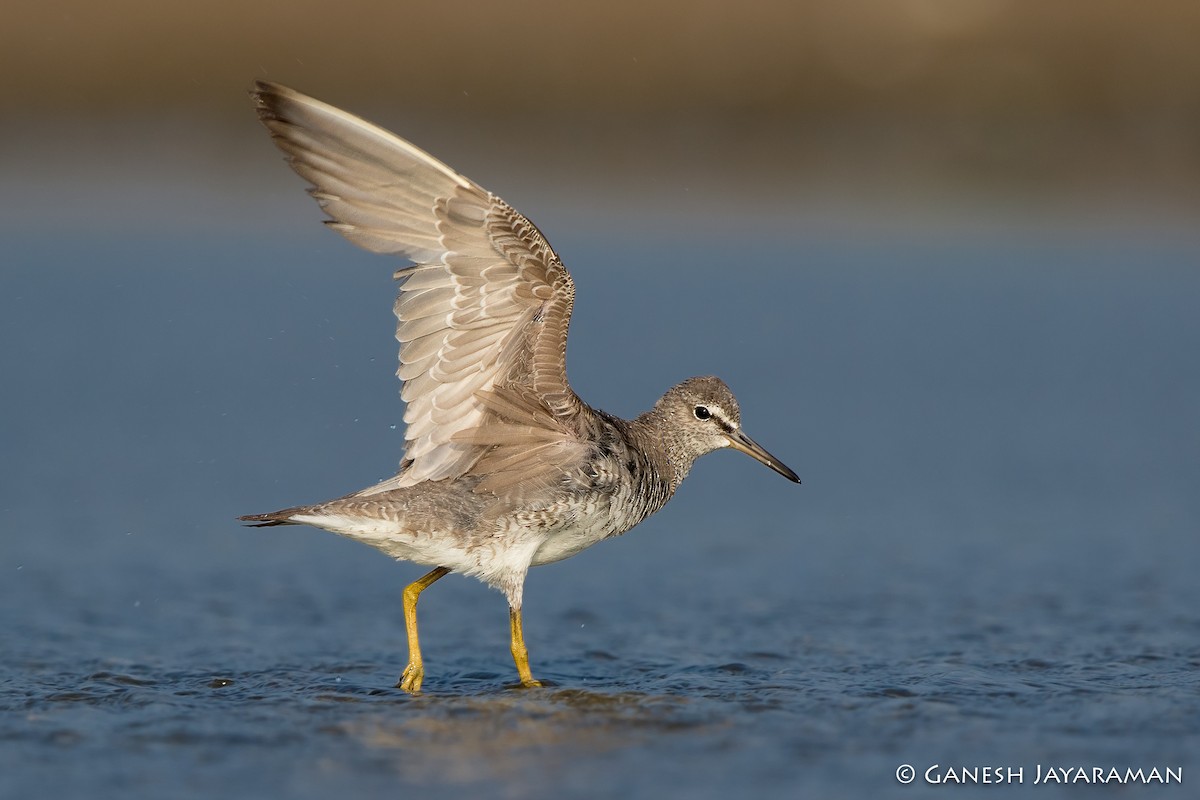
(944, 251)
(920, 109)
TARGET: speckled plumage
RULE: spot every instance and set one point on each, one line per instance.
(504, 466)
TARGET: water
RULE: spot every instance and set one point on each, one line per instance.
(992, 559)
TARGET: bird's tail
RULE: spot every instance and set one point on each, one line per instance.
(267, 520)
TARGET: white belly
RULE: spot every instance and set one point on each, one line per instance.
(566, 542)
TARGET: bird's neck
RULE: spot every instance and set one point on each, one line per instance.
(662, 443)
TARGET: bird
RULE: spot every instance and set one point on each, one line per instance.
(504, 466)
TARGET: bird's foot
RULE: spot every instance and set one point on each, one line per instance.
(412, 678)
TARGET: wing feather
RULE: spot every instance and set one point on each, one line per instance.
(482, 316)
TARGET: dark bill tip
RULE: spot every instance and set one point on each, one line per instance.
(743, 443)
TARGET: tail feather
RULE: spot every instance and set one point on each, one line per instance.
(269, 520)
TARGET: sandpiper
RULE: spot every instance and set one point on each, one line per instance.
(504, 467)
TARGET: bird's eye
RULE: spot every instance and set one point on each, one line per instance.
(702, 412)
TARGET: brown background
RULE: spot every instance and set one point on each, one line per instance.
(1020, 107)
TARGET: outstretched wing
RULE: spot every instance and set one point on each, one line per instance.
(483, 314)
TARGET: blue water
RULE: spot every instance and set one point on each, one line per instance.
(992, 559)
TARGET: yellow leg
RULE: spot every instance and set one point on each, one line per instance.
(414, 673)
(520, 654)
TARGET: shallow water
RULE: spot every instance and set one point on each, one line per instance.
(992, 559)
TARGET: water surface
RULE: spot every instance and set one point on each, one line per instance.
(992, 558)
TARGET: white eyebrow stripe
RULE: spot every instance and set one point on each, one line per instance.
(718, 414)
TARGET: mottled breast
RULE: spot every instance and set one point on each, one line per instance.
(617, 487)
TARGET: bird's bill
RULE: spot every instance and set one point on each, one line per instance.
(741, 442)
